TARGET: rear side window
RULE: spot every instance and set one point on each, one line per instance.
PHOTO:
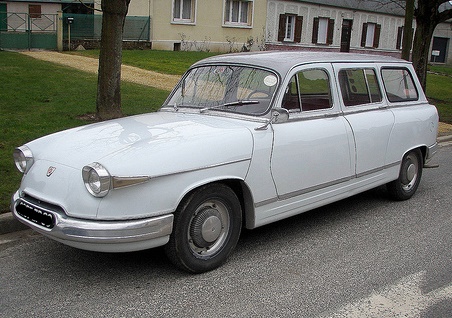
(359, 87)
(399, 85)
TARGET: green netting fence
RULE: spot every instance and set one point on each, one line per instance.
(88, 26)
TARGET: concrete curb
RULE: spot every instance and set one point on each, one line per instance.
(444, 138)
(9, 224)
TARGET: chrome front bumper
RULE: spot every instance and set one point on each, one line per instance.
(102, 236)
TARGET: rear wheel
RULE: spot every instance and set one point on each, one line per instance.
(409, 177)
(206, 229)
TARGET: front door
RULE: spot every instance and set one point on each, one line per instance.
(314, 149)
(346, 35)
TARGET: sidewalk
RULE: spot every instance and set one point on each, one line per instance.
(136, 75)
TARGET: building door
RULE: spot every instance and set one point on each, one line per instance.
(346, 35)
(439, 49)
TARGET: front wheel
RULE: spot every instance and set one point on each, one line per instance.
(409, 177)
(206, 229)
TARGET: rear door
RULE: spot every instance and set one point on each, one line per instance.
(366, 111)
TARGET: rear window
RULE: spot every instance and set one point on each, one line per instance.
(399, 85)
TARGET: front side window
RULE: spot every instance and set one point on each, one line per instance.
(226, 88)
(371, 35)
(289, 29)
(359, 87)
(399, 85)
(323, 31)
(183, 10)
(308, 90)
(238, 12)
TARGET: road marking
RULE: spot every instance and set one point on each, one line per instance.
(403, 299)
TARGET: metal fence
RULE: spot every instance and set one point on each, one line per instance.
(25, 31)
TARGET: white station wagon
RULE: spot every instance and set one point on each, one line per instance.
(243, 140)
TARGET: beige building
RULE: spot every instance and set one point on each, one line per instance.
(204, 25)
(242, 25)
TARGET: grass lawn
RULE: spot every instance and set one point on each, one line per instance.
(439, 91)
(38, 98)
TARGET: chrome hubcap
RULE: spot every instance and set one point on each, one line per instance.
(409, 177)
(209, 227)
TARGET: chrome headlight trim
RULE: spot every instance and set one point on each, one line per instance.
(23, 158)
(122, 182)
(97, 179)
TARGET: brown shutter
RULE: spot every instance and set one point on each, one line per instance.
(315, 31)
(282, 27)
(399, 38)
(298, 28)
(363, 35)
(377, 35)
(330, 32)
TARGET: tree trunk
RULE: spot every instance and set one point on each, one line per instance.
(422, 40)
(407, 30)
(108, 103)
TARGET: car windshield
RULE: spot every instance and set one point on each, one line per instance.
(237, 89)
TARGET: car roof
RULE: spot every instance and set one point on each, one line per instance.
(283, 61)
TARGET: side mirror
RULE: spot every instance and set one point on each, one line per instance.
(279, 115)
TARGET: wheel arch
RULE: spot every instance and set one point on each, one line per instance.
(241, 190)
(422, 148)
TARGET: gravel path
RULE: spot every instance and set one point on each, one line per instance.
(128, 73)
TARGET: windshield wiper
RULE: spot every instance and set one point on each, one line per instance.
(236, 103)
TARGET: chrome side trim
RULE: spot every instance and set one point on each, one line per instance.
(122, 182)
(201, 168)
(314, 188)
(290, 195)
(265, 202)
(362, 174)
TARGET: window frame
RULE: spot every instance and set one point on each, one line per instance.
(365, 35)
(296, 29)
(329, 31)
(413, 82)
(297, 97)
(180, 19)
(348, 89)
(228, 12)
(35, 11)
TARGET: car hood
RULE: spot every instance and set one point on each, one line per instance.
(150, 144)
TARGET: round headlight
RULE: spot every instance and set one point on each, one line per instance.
(23, 158)
(97, 179)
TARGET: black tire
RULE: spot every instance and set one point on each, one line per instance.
(409, 176)
(206, 228)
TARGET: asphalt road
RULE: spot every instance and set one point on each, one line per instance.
(365, 256)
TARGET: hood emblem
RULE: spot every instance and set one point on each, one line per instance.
(50, 171)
